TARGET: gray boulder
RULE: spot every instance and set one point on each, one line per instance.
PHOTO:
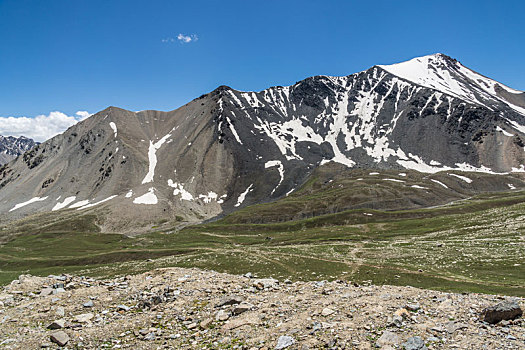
(60, 338)
(506, 310)
(414, 343)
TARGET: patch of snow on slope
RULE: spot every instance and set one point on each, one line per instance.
(464, 178)
(517, 126)
(242, 196)
(222, 198)
(418, 187)
(506, 133)
(296, 131)
(439, 183)
(129, 194)
(394, 180)
(65, 203)
(97, 203)
(234, 132)
(79, 204)
(152, 156)
(114, 127)
(32, 200)
(179, 190)
(280, 166)
(207, 198)
(511, 186)
(148, 198)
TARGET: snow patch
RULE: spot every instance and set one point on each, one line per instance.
(277, 163)
(439, 183)
(97, 203)
(114, 127)
(464, 178)
(149, 198)
(79, 204)
(67, 201)
(207, 198)
(506, 133)
(129, 194)
(32, 200)
(152, 156)
(242, 196)
(179, 190)
(394, 180)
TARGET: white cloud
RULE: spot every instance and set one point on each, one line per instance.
(41, 127)
(183, 39)
(187, 38)
(83, 115)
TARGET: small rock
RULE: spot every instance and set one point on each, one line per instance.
(388, 338)
(206, 323)
(150, 336)
(506, 310)
(60, 311)
(192, 325)
(414, 343)
(413, 307)
(60, 338)
(266, 283)
(229, 300)
(242, 307)
(222, 315)
(327, 312)
(397, 321)
(402, 312)
(58, 324)
(83, 318)
(452, 327)
(46, 291)
(284, 341)
(88, 304)
(123, 308)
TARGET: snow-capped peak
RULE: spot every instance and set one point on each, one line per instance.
(447, 75)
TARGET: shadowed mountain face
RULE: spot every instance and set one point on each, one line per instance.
(229, 149)
(11, 147)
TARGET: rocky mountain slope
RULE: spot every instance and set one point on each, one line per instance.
(229, 149)
(194, 309)
(11, 147)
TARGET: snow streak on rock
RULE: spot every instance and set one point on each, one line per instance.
(152, 157)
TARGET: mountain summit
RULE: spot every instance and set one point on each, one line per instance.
(228, 149)
(11, 147)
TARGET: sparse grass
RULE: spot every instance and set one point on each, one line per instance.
(475, 245)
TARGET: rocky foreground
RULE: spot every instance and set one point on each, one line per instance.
(192, 309)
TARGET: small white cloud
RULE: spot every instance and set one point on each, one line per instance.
(168, 40)
(187, 38)
(41, 127)
(83, 115)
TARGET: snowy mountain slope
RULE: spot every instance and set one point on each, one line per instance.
(447, 75)
(11, 147)
(228, 149)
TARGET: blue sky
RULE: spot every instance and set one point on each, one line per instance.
(71, 56)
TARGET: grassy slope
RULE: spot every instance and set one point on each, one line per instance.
(473, 245)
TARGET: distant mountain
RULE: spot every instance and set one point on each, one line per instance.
(228, 149)
(11, 147)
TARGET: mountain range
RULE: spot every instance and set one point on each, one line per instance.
(229, 149)
(11, 147)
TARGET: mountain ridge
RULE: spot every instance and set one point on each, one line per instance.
(229, 148)
(11, 147)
